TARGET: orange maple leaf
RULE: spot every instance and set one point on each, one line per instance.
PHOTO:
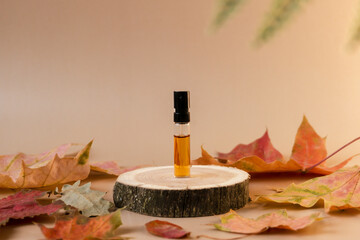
(81, 227)
(39, 170)
(260, 155)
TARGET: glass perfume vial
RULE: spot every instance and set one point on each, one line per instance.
(182, 134)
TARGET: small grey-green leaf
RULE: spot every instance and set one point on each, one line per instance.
(89, 202)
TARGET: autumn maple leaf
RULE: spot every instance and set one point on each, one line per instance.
(23, 204)
(80, 227)
(232, 222)
(260, 155)
(49, 168)
(339, 190)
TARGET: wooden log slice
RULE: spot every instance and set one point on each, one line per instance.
(210, 190)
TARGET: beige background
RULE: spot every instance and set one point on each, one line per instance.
(71, 71)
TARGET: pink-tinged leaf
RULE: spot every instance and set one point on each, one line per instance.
(53, 167)
(166, 229)
(80, 227)
(261, 148)
(11, 164)
(232, 222)
(250, 164)
(260, 156)
(111, 167)
(23, 204)
(339, 190)
(309, 148)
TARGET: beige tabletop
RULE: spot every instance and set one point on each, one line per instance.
(344, 224)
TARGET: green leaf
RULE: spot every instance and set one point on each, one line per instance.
(226, 8)
(355, 37)
(281, 12)
(89, 202)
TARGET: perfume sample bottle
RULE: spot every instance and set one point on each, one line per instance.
(182, 134)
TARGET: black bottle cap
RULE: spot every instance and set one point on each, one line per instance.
(181, 105)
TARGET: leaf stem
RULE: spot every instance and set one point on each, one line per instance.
(317, 164)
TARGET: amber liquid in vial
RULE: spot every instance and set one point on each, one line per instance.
(182, 156)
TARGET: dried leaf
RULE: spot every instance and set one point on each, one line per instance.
(49, 168)
(232, 222)
(250, 164)
(226, 8)
(23, 204)
(339, 190)
(81, 227)
(89, 202)
(111, 167)
(309, 147)
(261, 148)
(166, 229)
(261, 156)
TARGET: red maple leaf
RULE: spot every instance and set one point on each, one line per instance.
(23, 204)
(308, 153)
